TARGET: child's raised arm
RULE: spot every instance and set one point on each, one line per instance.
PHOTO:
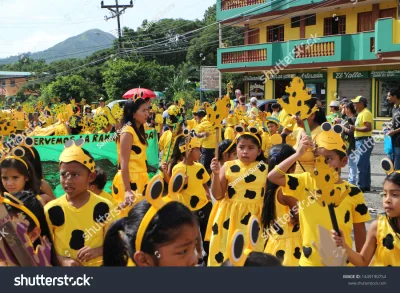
(365, 256)
(277, 175)
(218, 180)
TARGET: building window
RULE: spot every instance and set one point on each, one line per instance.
(254, 36)
(311, 19)
(365, 22)
(391, 12)
(335, 25)
(12, 82)
(275, 33)
(295, 22)
(384, 108)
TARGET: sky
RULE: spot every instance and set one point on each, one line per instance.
(36, 25)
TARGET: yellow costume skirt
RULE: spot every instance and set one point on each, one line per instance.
(288, 249)
(138, 183)
(226, 217)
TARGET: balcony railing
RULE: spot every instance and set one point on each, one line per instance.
(244, 56)
(232, 4)
(315, 50)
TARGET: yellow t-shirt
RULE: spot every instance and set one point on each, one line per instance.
(193, 195)
(137, 157)
(210, 141)
(164, 145)
(283, 115)
(352, 210)
(229, 133)
(192, 124)
(73, 229)
(107, 196)
(362, 117)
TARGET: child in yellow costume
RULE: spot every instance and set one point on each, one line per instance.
(229, 133)
(240, 185)
(351, 213)
(129, 183)
(79, 219)
(283, 234)
(383, 239)
(97, 186)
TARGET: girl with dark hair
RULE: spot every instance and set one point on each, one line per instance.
(315, 120)
(240, 187)
(382, 245)
(284, 237)
(227, 151)
(30, 201)
(169, 240)
(129, 183)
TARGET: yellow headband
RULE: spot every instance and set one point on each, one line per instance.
(253, 130)
(330, 138)
(194, 142)
(388, 166)
(19, 205)
(73, 152)
(154, 192)
(238, 251)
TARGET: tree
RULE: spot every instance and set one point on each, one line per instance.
(122, 75)
(68, 86)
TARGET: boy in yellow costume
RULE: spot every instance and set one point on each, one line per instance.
(351, 214)
(79, 219)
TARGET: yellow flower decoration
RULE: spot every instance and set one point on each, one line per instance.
(196, 106)
(117, 112)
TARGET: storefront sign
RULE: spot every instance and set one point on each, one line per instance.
(385, 73)
(254, 78)
(308, 75)
(256, 89)
(351, 75)
(209, 78)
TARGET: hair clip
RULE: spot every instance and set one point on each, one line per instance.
(238, 251)
(73, 152)
(154, 196)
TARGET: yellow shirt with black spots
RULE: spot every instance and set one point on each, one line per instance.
(210, 141)
(72, 228)
(387, 251)
(193, 195)
(352, 210)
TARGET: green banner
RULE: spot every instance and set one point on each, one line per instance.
(101, 146)
(386, 74)
(304, 76)
(351, 75)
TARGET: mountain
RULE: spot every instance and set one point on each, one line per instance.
(79, 46)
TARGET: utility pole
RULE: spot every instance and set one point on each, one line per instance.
(116, 13)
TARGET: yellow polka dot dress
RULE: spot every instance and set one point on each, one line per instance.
(387, 253)
(244, 198)
(284, 239)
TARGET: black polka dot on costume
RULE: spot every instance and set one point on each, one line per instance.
(101, 212)
(137, 150)
(250, 194)
(298, 103)
(91, 161)
(297, 253)
(296, 228)
(115, 189)
(327, 178)
(56, 216)
(280, 254)
(217, 116)
(200, 174)
(347, 217)
(84, 162)
(235, 169)
(144, 190)
(246, 219)
(194, 200)
(294, 94)
(262, 168)
(219, 257)
(77, 240)
(332, 193)
(362, 209)
(215, 229)
(250, 178)
(354, 190)
(293, 183)
(278, 229)
(226, 224)
(307, 251)
(262, 192)
(185, 186)
(388, 241)
(231, 191)
(133, 186)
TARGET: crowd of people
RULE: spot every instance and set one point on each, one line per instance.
(247, 192)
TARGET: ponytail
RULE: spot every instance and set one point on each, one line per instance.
(114, 247)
